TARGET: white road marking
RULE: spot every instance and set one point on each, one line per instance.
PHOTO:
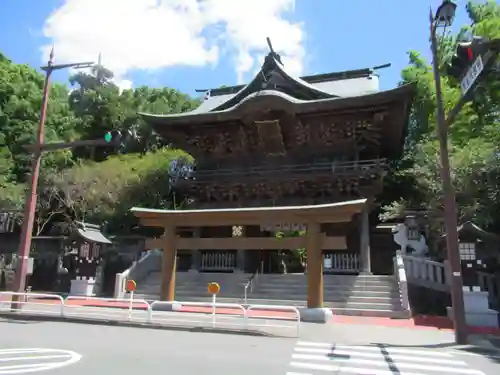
(317, 357)
(375, 348)
(30, 360)
(394, 357)
(34, 357)
(383, 362)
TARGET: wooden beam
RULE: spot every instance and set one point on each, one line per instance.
(264, 218)
(248, 243)
(334, 243)
(154, 222)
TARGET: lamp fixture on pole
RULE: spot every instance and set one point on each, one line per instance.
(445, 14)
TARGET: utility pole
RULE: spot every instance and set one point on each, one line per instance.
(472, 61)
(450, 209)
(31, 198)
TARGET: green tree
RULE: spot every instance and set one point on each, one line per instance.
(105, 191)
(473, 138)
(20, 102)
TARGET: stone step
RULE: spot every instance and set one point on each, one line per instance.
(384, 299)
(335, 298)
(287, 290)
(327, 276)
(329, 285)
(339, 309)
(361, 297)
(241, 288)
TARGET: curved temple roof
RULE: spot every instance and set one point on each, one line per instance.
(91, 233)
(273, 88)
(274, 80)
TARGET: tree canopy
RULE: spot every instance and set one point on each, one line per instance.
(96, 184)
(473, 137)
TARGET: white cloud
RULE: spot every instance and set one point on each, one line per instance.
(155, 34)
(124, 84)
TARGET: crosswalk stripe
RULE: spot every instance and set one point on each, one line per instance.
(350, 370)
(382, 362)
(374, 359)
(375, 348)
(394, 357)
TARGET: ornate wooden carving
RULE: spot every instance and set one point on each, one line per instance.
(347, 132)
(270, 136)
(316, 189)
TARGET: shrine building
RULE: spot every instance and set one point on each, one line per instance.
(265, 149)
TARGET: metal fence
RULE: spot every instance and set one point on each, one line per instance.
(280, 320)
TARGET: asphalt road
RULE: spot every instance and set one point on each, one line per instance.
(138, 351)
(83, 349)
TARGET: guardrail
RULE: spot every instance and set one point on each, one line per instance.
(208, 313)
(251, 282)
(107, 308)
(256, 320)
(52, 304)
(400, 274)
(160, 313)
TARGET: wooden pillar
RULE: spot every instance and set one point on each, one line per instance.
(364, 243)
(314, 266)
(168, 269)
(195, 254)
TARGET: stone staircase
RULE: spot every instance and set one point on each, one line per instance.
(192, 286)
(366, 295)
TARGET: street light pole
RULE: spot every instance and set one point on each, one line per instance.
(31, 198)
(450, 211)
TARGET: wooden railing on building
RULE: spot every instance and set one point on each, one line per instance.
(217, 261)
(339, 168)
(341, 262)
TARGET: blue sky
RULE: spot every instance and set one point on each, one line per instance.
(190, 49)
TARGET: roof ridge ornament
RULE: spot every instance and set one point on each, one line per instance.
(272, 53)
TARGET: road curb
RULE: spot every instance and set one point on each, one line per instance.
(102, 322)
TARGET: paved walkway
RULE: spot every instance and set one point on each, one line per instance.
(418, 322)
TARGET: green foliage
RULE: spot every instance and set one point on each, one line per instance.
(104, 191)
(473, 137)
(84, 184)
(300, 254)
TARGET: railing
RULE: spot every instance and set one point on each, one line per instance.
(490, 283)
(158, 313)
(341, 262)
(400, 274)
(253, 280)
(217, 261)
(426, 273)
(138, 271)
(268, 169)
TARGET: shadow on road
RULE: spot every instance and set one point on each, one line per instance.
(492, 354)
(16, 321)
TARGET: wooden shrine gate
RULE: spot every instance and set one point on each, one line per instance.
(313, 241)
